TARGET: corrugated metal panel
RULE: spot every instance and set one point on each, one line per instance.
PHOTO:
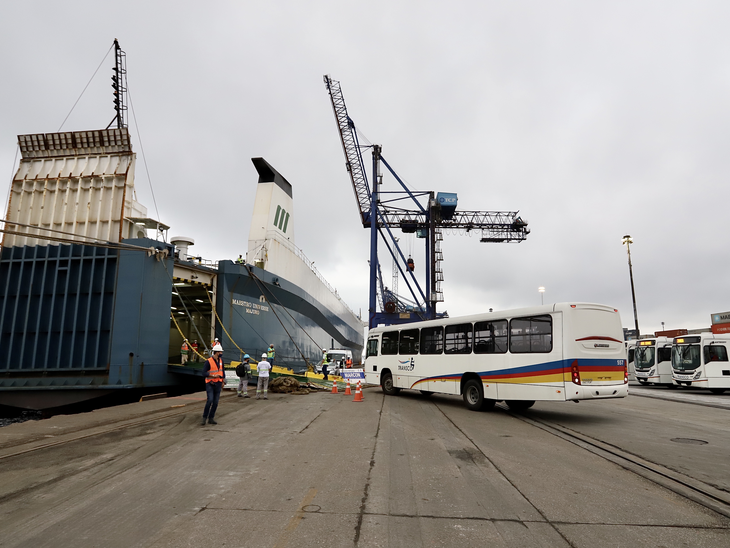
(100, 141)
(56, 306)
(80, 183)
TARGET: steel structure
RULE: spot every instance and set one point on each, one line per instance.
(424, 213)
(119, 84)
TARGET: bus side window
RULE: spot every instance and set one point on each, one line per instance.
(631, 354)
(390, 343)
(372, 349)
(458, 339)
(408, 341)
(533, 334)
(490, 337)
(432, 340)
(715, 353)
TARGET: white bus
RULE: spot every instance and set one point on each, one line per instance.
(631, 350)
(653, 361)
(557, 352)
(701, 361)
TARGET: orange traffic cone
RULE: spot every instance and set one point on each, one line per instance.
(358, 393)
(348, 392)
(334, 387)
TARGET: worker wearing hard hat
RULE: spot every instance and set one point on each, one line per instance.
(215, 377)
(244, 374)
(263, 369)
(270, 355)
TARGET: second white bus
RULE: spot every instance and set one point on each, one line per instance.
(701, 361)
(560, 352)
(653, 361)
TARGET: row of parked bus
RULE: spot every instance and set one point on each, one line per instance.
(698, 361)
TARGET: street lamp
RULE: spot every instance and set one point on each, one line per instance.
(542, 293)
(628, 241)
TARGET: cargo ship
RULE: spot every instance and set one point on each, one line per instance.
(96, 299)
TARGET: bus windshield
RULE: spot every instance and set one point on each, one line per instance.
(686, 357)
(644, 357)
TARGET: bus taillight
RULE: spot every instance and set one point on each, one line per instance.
(626, 372)
(574, 372)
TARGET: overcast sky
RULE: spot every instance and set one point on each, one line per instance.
(593, 119)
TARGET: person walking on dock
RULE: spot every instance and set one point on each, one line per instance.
(194, 347)
(270, 355)
(214, 378)
(243, 370)
(325, 366)
(263, 385)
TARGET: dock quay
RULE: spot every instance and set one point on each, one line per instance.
(408, 470)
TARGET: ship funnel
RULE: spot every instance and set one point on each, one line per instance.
(272, 219)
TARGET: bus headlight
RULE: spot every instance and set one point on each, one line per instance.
(651, 373)
(698, 375)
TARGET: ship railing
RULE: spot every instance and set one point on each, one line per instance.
(272, 235)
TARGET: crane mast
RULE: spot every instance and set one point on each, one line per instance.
(382, 211)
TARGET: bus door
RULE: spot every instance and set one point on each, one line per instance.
(407, 373)
(717, 367)
(372, 371)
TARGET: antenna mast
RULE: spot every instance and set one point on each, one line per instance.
(119, 84)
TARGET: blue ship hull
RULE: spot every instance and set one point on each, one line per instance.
(79, 322)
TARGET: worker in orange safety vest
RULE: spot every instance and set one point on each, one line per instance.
(184, 352)
(215, 377)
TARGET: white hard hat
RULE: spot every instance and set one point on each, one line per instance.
(218, 348)
(263, 355)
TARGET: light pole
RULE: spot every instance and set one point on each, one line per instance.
(542, 293)
(628, 241)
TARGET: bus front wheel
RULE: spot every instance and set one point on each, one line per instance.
(474, 395)
(386, 384)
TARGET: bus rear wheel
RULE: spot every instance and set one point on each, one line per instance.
(519, 405)
(386, 383)
(717, 390)
(474, 396)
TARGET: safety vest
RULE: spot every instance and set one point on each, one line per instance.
(216, 368)
(184, 347)
(270, 353)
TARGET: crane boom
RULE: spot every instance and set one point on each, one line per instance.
(351, 148)
(381, 211)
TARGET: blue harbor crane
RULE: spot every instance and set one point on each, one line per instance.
(425, 213)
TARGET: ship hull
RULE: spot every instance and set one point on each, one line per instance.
(80, 322)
